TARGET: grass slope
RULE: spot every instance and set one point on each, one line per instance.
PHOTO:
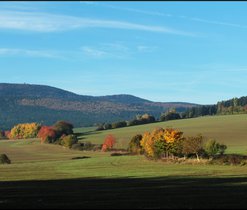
(228, 129)
(47, 177)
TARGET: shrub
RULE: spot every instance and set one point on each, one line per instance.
(135, 144)
(109, 142)
(47, 134)
(170, 116)
(7, 134)
(231, 159)
(77, 146)
(222, 148)
(4, 159)
(142, 119)
(119, 124)
(87, 145)
(2, 135)
(69, 140)
(107, 126)
(212, 147)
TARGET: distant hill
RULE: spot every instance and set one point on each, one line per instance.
(21, 103)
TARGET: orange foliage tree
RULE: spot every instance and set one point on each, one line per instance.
(109, 142)
(47, 134)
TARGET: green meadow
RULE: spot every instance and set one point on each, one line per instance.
(50, 176)
(228, 129)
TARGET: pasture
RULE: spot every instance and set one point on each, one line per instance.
(228, 129)
(50, 176)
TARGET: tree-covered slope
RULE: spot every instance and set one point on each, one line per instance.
(45, 104)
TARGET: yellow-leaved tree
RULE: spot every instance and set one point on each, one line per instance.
(162, 142)
(25, 130)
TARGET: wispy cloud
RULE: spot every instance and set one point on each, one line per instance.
(45, 22)
(116, 50)
(30, 53)
(162, 14)
(106, 50)
(146, 49)
(93, 52)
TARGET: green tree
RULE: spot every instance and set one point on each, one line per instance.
(170, 116)
(135, 145)
(212, 147)
(63, 128)
(69, 140)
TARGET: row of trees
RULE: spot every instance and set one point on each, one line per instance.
(232, 106)
(138, 120)
(170, 142)
(60, 133)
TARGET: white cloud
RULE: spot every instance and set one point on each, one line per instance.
(45, 22)
(106, 50)
(155, 13)
(29, 53)
(146, 49)
(93, 52)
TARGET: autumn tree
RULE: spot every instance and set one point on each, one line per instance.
(109, 142)
(193, 145)
(161, 142)
(47, 134)
(24, 131)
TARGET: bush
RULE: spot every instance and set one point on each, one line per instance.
(77, 147)
(222, 148)
(135, 144)
(87, 145)
(109, 142)
(170, 116)
(69, 140)
(119, 124)
(231, 159)
(4, 159)
(2, 136)
(47, 134)
(212, 147)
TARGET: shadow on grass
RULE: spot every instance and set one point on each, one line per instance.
(126, 193)
(79, 158)
(82, 135)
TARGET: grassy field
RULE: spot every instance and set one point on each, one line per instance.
(50, 176)
(228, 129)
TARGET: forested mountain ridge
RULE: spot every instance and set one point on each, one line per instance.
(231, 106)
(21, 103)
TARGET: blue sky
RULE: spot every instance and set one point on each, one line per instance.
(161, 51)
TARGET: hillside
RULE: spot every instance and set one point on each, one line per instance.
(228, 129)
(21, 103)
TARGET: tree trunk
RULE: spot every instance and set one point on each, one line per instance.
(197, 157)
